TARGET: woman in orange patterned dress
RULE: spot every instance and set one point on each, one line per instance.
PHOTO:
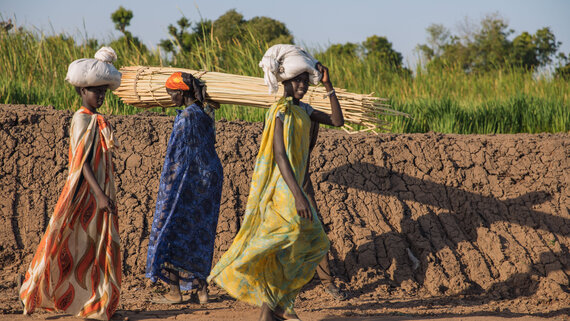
(77, 266)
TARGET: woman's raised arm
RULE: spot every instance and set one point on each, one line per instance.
(335, 118)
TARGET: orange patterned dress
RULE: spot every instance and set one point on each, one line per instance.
(77, 266)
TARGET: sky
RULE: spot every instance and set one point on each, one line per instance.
(314, 24)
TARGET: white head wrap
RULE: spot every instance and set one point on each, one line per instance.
(283, 62)
(100, 71)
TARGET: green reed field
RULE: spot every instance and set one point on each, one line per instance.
(446, 100)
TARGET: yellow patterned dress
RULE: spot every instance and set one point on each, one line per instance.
(77, 266)
(275, 252)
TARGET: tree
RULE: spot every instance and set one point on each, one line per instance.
(339, 50)
(228, 26)
(202, 29)
(546, 45)
(455, 53)
(563, 69)
(185, 36)
(524, 51)
(182, 39)
(269, 30)
(122, 18)
(487, 46)
(231, 25)
(381, 48)
(438, 39)
(6, 25)
(490, 47)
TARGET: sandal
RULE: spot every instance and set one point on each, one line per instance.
(203, 297)
(202, 292)
(336, 293)
(164, 300)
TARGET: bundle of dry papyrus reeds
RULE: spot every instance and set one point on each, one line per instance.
(144, 87)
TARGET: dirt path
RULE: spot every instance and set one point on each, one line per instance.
(318, 307)
(200, 315)
(236, 311)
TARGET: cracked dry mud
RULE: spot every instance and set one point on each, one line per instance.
(420, 224)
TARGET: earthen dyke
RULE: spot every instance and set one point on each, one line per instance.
(422, 214)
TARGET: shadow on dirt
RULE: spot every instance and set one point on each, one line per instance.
(452, 220)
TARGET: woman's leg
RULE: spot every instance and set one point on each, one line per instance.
(202, 291)
(266, 313)
(280, 313)
(323, 269)
(174, 293)
(324, 273)
(174, 296)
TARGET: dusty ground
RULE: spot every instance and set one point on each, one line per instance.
(422, 225)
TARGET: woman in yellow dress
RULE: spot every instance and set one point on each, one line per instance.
(281, 240)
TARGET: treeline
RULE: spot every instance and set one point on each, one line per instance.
(478, 48)
(478, 93)
(487, 46)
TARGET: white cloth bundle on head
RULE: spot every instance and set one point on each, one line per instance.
(89, 72)
(283, 62)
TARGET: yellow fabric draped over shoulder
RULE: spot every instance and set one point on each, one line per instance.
(77, 265)
(275, 252)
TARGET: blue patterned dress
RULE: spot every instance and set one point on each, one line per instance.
(188, 202)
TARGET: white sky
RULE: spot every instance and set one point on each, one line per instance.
(313, 23)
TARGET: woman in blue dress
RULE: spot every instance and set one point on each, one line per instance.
(184, 226)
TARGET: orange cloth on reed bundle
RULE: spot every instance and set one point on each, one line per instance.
(175, 82)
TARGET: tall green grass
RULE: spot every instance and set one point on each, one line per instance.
(33, 68)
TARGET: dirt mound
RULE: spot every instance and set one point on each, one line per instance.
(420, 217)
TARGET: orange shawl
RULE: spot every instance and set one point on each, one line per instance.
(77, 265)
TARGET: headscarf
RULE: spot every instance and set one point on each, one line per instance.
(175, 82)
(187, 82)
(98, 71)
(284, 62)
